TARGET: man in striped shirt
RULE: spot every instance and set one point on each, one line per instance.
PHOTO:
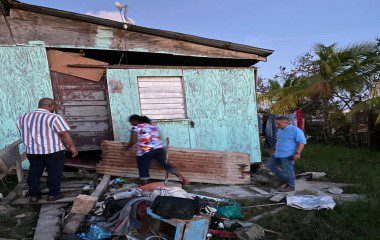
(45, 135)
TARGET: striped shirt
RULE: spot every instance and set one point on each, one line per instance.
(39, 131)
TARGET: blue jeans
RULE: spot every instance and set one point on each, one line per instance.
(286, 173)
(144, 161)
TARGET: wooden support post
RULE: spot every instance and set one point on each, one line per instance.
(19, 171)
(10, 156)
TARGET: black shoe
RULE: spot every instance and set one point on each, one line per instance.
(34, 199)
(55, 197)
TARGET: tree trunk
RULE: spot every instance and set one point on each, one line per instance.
(326, 120)
(355, 129)
(371, 127)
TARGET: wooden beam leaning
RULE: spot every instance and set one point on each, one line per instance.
(10, 156)
(74, 220)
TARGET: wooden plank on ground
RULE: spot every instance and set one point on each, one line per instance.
(13, 194)
(25, 200)
(262, 192)
(49, 221)
(74, 220)
(63, 190)
(349, 197)
(278, 198)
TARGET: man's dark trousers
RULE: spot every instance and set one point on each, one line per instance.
(54, 163)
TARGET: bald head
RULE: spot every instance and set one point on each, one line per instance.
(48, 104)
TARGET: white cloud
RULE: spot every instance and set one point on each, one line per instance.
(112, 15)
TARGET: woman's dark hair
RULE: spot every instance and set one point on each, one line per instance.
(140, 119)
(134, 117)
(145, 119)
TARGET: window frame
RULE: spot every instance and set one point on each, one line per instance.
(183, 93)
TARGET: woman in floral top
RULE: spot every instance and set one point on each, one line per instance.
(149, 147)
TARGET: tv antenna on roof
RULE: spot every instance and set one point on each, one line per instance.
(123, 9)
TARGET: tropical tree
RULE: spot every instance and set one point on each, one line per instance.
(334, 71)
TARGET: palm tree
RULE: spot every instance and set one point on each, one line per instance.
(334, 69)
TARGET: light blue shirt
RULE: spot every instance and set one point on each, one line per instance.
(288, 139)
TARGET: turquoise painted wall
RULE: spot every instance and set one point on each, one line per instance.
(24, 79)
(221, 103)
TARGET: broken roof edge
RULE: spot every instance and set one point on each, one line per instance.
(135, 28)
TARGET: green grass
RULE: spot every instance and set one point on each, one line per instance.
(358, 220)
(344, 164)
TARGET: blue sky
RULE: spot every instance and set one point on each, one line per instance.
(290, 27)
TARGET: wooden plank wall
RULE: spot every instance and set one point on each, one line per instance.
(197, 165)
(220, 102)
(24, 79)
(66, 33)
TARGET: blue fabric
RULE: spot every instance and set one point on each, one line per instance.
(144, 161)
(286, 173)
(288, 139)
(270, 131)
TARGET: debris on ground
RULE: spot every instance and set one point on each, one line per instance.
(311, 175)
(250, 233)
(230, 210)
(335, 190)
(278, 197)
(310, 202)
(95, 233)
(119, 207)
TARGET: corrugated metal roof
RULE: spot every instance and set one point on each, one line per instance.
(163, 33)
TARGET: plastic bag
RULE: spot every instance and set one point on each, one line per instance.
(96, 233)
(309, 202)
(231, 211)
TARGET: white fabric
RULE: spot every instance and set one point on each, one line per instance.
(310, 202)
(170, 191)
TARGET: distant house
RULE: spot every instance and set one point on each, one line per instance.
(199, 91)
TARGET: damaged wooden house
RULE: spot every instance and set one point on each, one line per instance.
(200, 92)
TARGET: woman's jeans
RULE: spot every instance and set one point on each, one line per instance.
(144, 161)
(286, 172)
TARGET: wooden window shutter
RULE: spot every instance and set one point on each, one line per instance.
(162, 97)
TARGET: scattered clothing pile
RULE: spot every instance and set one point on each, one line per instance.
(119, 214)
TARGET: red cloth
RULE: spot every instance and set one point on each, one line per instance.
(299, 119)
(143, 217)
(152, 186)
(223, 234)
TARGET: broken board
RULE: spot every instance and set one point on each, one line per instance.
(58, 61)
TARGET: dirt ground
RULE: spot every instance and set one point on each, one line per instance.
(18, 222)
